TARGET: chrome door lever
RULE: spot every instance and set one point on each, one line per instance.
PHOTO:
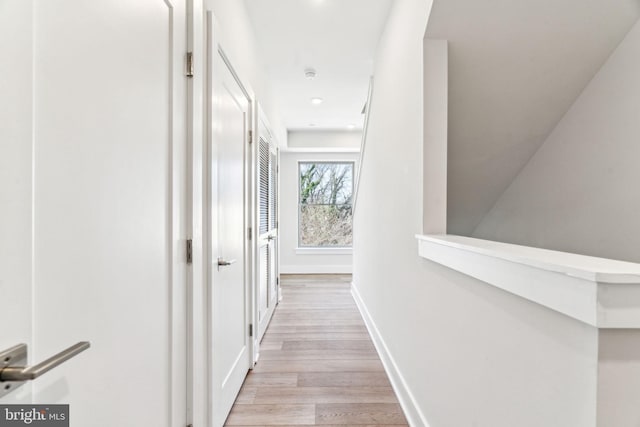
(13, 373)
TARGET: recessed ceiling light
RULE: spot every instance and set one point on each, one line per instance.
(316, 101)
(351, 126)
(312, 124)
(310, 73)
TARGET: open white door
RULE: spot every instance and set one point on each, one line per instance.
(92, 178)
(16, 109)
(228, 122)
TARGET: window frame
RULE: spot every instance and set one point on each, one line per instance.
(310, 248)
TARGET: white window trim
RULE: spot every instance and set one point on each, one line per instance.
(323, 251)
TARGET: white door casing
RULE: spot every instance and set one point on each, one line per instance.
(102, 182)
(277, 241)
(198, 341)
(228, 121)
(275, 294)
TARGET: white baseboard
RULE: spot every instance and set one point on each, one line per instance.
(411, 409)
(316, 269)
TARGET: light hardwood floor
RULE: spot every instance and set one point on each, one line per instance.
(317, 364)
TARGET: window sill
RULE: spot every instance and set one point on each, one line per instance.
(324, 251)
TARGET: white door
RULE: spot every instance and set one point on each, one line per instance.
(92, 149)
(15, 183)
(228, 124)
(267, 294)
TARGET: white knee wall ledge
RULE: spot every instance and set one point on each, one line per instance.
(600, 292)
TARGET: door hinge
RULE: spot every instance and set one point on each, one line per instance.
(189, 251)
(189, 425)
(277, 281)
(189, 71)
(250, 137)
(250, 329)
(250, 233)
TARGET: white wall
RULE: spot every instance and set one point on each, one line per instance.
(618, 378)
(469, 354)
(514, 71)
(579, 192)
(436, 91)
(239, 43)
(307, 261)
(325, 139)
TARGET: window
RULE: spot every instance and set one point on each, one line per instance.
(325, 214)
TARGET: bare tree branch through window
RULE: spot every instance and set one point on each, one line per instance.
(325, 210)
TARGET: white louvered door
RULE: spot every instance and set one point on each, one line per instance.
(267, 295)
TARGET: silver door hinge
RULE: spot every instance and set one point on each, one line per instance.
(189, 251)
(250, 137)
(189, 71)
(250, 233)
(251, 329)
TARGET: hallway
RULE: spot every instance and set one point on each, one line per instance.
(317, 364)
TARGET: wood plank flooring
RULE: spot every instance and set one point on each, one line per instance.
(317, 364)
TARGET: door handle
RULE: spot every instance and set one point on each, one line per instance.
(13, 373)
(27, 373)
(224, 263)
(271, 238)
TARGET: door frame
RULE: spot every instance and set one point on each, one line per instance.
(277, 241)
(197, 370)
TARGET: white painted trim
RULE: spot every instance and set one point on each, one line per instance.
(600, 292)
(363, 143)
(324, 251)
(197, 371)
(322, 129)
(405, 397)
(320, 150)
(316, 269)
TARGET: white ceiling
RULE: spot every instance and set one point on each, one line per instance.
(337, 38)
(515, 68)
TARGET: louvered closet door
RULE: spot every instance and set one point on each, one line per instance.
(267, 206)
